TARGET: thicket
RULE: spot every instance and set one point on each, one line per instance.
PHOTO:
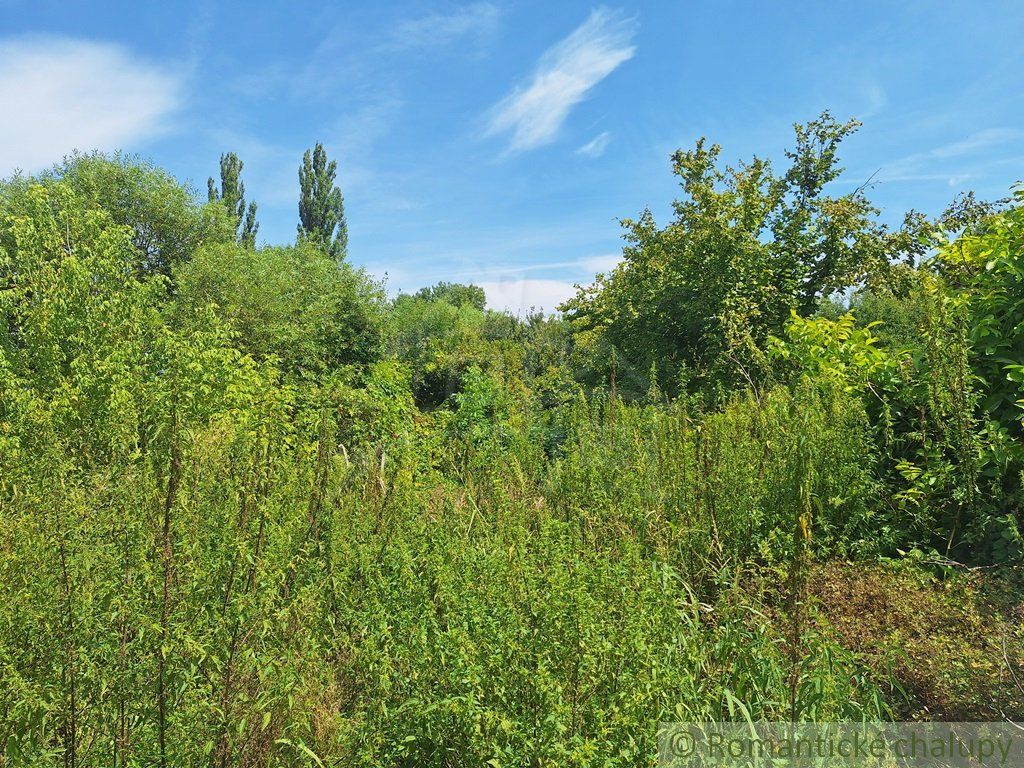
(254, 513)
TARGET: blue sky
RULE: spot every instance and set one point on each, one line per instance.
(499, 142)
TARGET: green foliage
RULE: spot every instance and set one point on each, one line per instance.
(834, 351)
(321, 206)
(269, 518)
(482, 408)
(986, 269)
(77, 318)
(951, 477)
(293, 303)
(455, 294)
(722, 486)
(746, 247)
(245, 570)
(988, 266)
(374, 408)
(232, 196)
(167, 223)
(441, 340)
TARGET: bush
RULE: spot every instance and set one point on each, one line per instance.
(292, 303)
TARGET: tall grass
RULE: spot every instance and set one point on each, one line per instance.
(250, 590)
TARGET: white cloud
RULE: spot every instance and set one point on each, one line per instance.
(596, 146)
(604, 263)
(440, 29)
(507, 287)
(566, 73)
(61, 94)
(519, 296)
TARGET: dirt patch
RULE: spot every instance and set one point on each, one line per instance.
(948, 645)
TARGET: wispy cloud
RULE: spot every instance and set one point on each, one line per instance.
(534, 112)
(520, 296)
(509, 285)
(934, 164)
(874, 99)
(977, 142)
(585, 267)
(477, 21)
(604, 263)
(62, 94)
(596, 146)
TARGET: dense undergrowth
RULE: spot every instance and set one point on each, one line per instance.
(253, 513)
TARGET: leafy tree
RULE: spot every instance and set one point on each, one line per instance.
(74, 317)
(925, 359)
(321, 206)
(835, 352)
(167, 223)
(746, 246)
(440, 340)
(456, 294)
(985, 268)
(292, 303)
(481, 407)
(232, 196)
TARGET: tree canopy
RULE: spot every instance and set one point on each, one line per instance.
(701, 295)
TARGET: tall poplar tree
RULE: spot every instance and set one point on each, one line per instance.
(232, 195)
(321, 206)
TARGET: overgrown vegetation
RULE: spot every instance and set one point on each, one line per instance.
(254, 513)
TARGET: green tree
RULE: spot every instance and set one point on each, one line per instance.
(232, 196)
(166, 220)
(455, 294)
(746, 246)
(291, 302)
(321, 206)
(441, 338)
